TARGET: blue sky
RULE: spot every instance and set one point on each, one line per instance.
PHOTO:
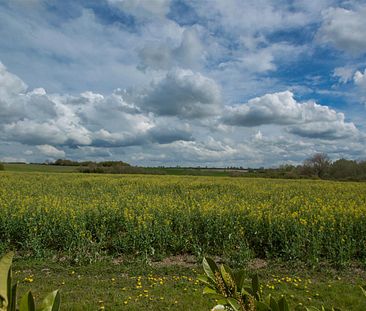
(177, 82)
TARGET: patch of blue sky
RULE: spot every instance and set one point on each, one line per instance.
(104, 13)
(297, 36)
(184, 14)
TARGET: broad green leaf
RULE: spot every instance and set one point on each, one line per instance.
(234, 304)
(27, 303)
(205, 280)
(239, 278)
(212, 293)
(229, 271)
(51, 302)
(5, 278)
(226, 276)
(210, 268)
(208, 291)
(282, 303)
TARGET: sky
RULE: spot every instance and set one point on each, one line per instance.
(182, 82)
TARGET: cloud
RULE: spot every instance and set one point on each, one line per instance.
(10, 84)
(51, 151)
(359, 80)
(325, 130)
(143, 8)
(166, 55)
(344, 29)
(157, 81)
(304, 119)
(89, 119)
(183, 93)
(344, 74)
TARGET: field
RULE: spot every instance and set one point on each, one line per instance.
(82, 219)
(20, 167)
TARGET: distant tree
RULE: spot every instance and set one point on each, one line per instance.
(1, 167)
(318, 164)
(344, 169)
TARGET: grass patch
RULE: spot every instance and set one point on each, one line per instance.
(128, 285)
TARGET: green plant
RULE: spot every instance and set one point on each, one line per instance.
(1, 167)
(229, 289)
(8, 292)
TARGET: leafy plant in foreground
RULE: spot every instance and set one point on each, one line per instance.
(8, 292)
(228, 288)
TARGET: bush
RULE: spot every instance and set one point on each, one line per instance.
(2, 167)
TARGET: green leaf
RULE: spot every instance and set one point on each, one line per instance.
(255, 284)
(5, 278)
(205, 280)
(248, 291)
(234, 304)
(239, 278)
(27, 303)
(210, 268)
(261, 306)
(13, 298)
(226, 277)
(209, 291)
(212, 293)
(363, 288)
(229, 271)
(273, 304)
(282, 303)
(51, 302)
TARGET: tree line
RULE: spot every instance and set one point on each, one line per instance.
(318, 166)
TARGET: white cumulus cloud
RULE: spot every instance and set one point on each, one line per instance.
(51, 151)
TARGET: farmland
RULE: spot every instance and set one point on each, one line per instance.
(158, 216)
(80, 231)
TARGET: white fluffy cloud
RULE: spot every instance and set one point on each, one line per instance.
(89, 119)
(304, 119)
(163, 78)
(51, 151)
(180, 119)
(360, 78)
(345, 29)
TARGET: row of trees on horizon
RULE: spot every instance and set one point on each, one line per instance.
(317, 166)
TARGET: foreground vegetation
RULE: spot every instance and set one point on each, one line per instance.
(85, 217)
(130, 284)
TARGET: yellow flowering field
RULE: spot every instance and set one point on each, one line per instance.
(85, 216)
